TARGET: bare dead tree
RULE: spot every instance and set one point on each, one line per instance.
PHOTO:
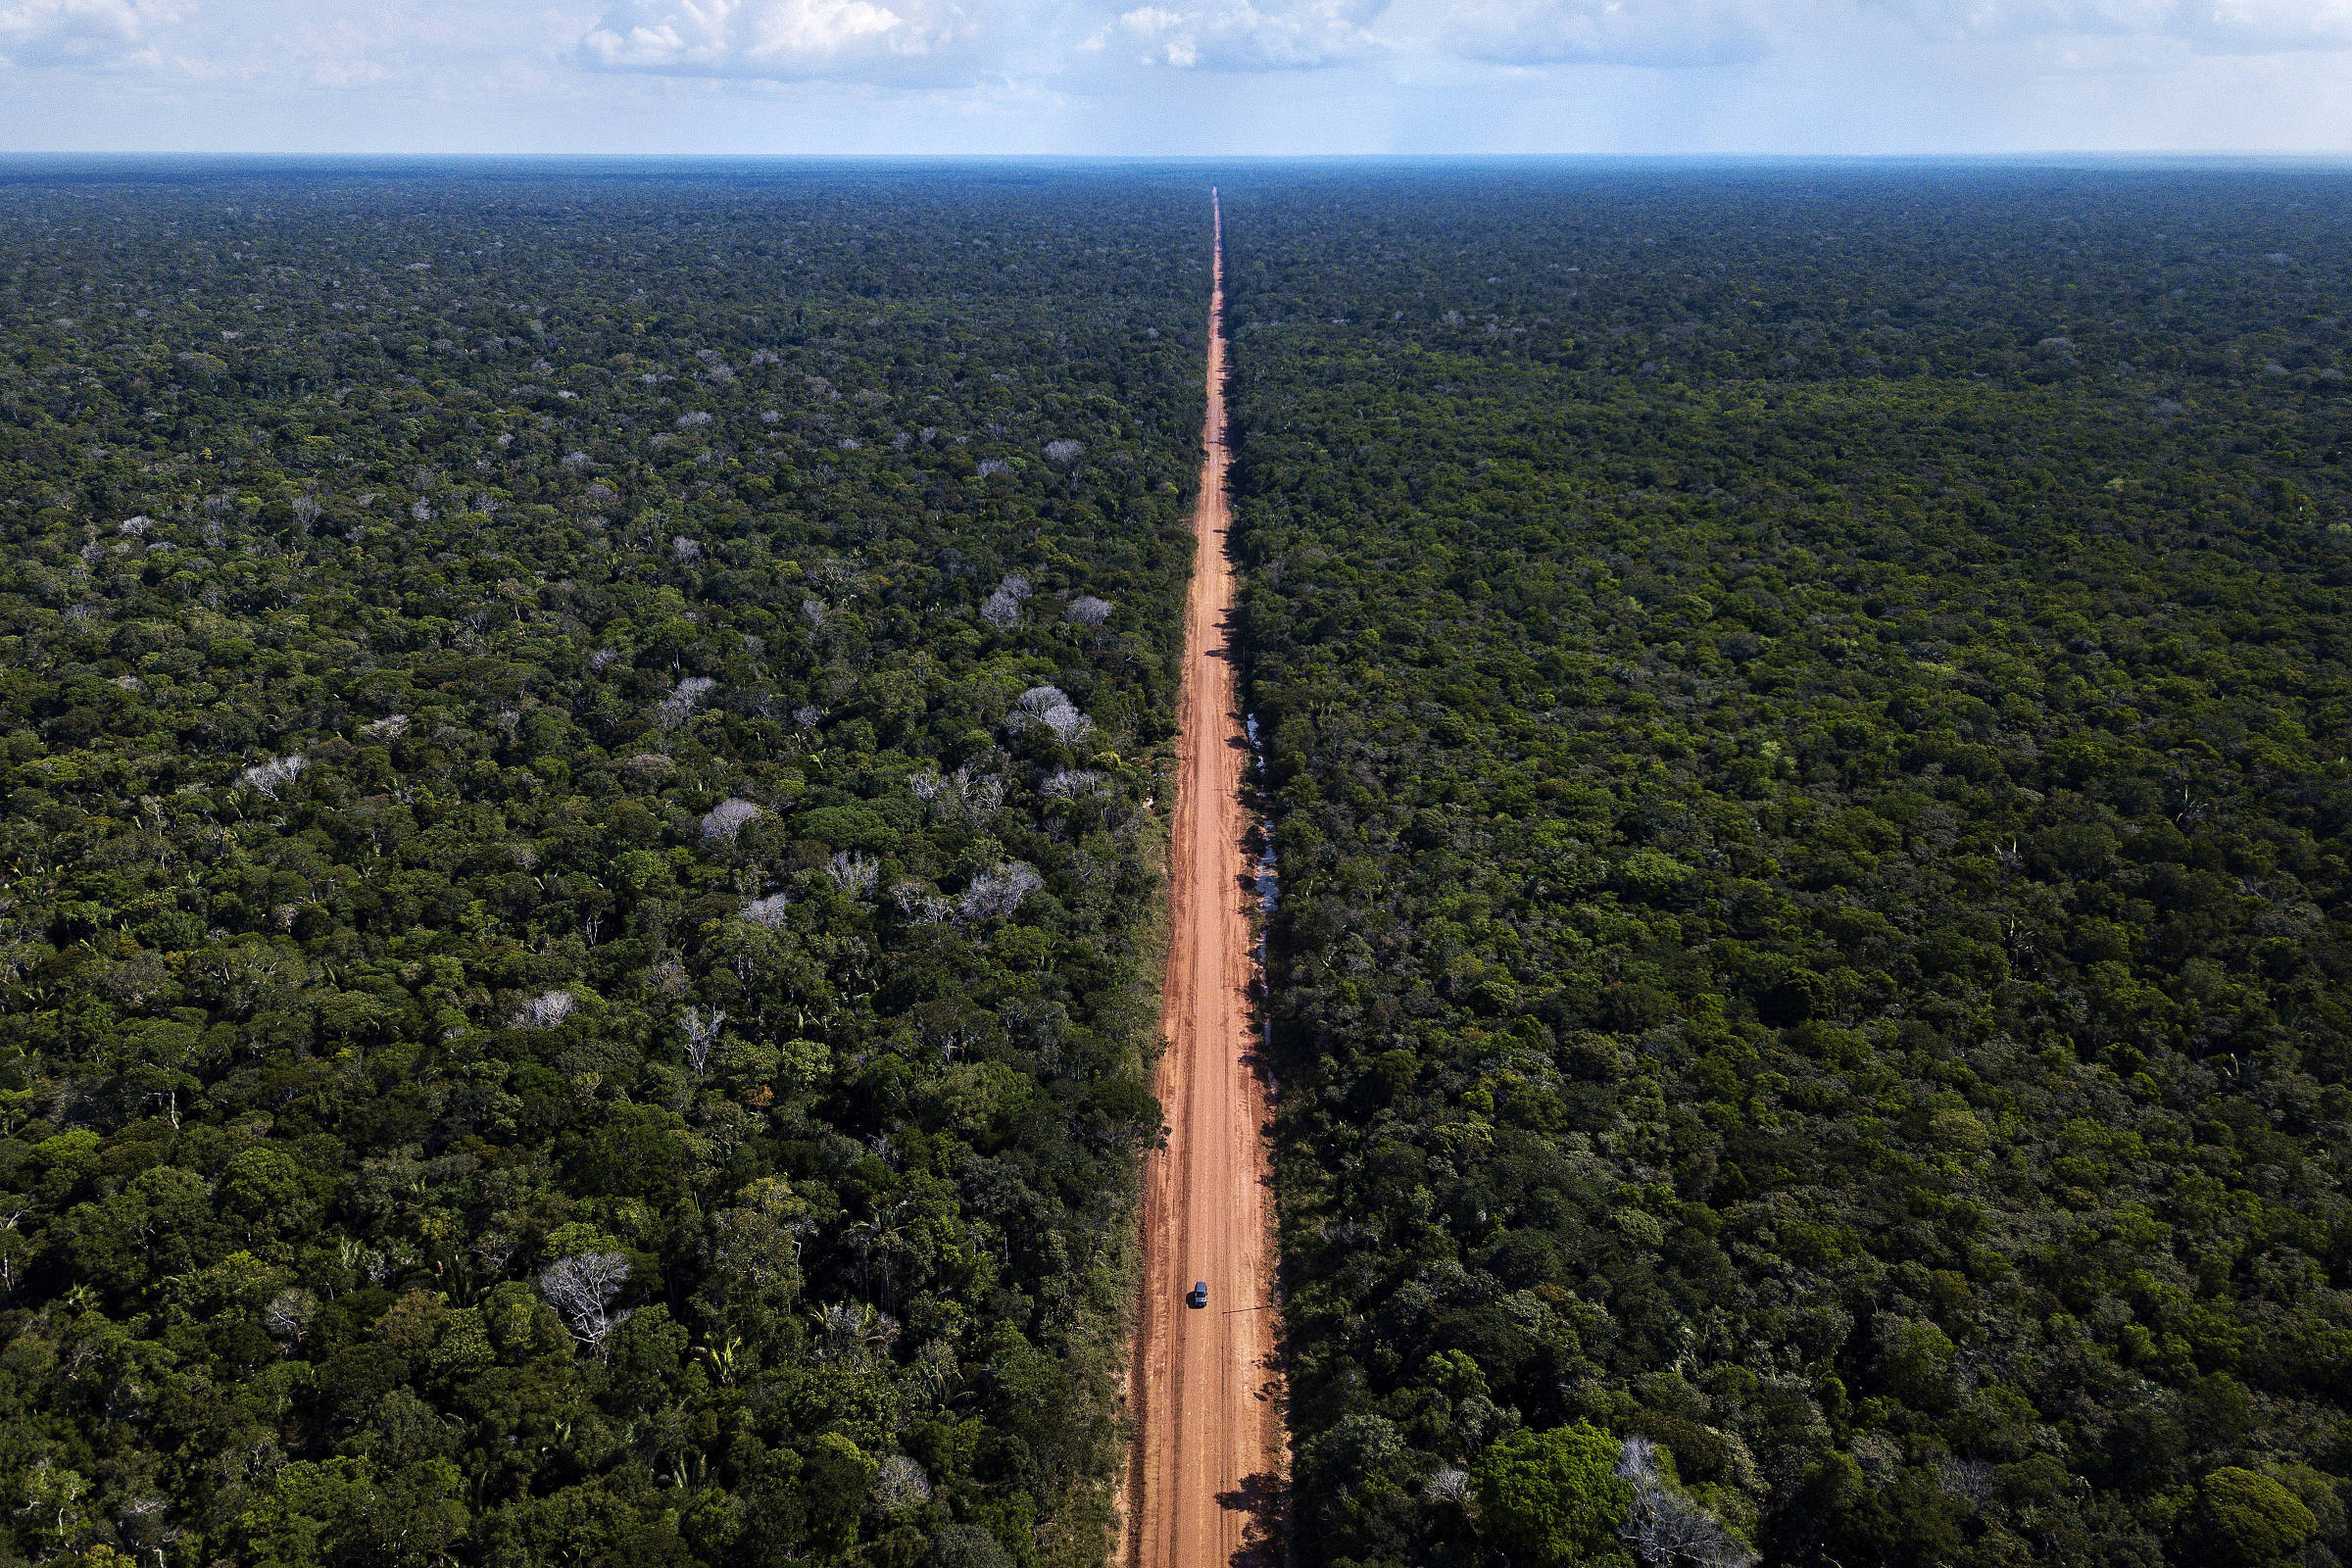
(683, 699)
(267, 778)
(963, 796)
(702, 1035)
(729, 818)
(919, 905)
(999, 891)
(582, 1289)
(1051, 708)
(543, 1011)
(901, 1485)
(852, 871)
(1452, 1484)
(1665, 1528)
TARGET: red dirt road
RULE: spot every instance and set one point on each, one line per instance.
(1206, 1486)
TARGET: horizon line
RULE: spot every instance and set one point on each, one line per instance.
(2014, 157)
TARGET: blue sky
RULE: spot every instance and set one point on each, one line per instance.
(1177, 77)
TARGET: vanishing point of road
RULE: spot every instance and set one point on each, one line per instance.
(1208, 1472)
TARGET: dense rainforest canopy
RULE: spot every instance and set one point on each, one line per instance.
(578, 889)
(1806, 719)
(578, 897)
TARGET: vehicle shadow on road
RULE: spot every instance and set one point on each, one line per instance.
(1259, 1499)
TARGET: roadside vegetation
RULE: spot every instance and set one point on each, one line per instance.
(577, 894)
(1806, 718)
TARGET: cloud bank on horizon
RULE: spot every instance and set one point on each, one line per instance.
(1177, 75)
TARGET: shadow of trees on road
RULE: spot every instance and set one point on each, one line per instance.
(1261, 1500)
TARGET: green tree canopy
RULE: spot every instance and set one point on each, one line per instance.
(1550, 1499)
(2244, 1519)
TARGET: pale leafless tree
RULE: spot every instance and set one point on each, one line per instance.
(852, 871)
(582, 1289)
(1034, 703)
(1069, 726)
(1088, 610)
(683, 699)
(267, 778)
(1971, 1480)
(1051, 708)
(1665, 1528)
(702, 1035)
(543, 1011)
(999, 891)
(727, 818)
(767, 912)
(920, 905)
(962, 796)
(901, 1484)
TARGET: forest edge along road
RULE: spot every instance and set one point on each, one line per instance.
(1207, 1473)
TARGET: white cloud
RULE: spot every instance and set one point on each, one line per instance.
(81, 33)
(1674, 34)
(1247, 37)
(1222, 75)
(1625, 32)
(901, 41)
(2263, 25)
(2222, 26)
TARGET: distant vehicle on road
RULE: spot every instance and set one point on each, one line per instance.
(1197, 1295)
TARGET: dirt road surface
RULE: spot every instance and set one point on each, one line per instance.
(1206, 1488)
